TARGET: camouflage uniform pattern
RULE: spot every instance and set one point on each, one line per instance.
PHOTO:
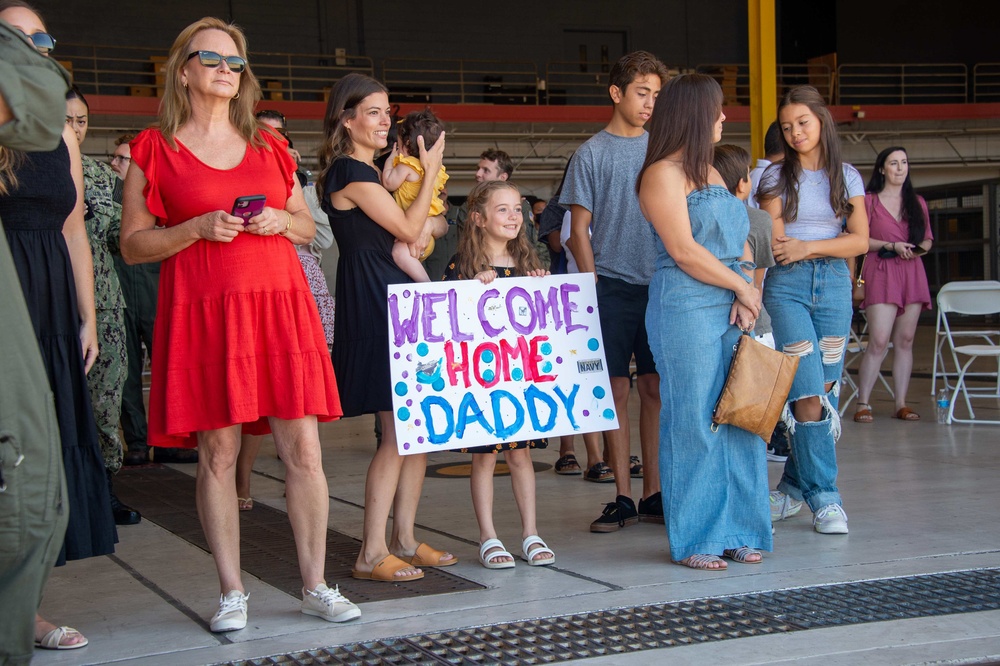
(103, 216)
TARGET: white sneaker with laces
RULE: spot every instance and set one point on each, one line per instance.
(831, 519)
(232, 613)
(783, 506)
(328, 604)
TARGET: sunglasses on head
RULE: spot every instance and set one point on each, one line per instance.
(42, 41)
(212, 59)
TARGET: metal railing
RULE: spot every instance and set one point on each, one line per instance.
(137, 71)
(932, 83)
(735, 79)
(460, 81)
(986, 82)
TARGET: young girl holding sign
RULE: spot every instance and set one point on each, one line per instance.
(495, 245)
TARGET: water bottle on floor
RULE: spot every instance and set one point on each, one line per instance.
(943, 403)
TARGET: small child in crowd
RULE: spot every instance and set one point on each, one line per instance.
(733, 164)
(403, 179)
(495, 244)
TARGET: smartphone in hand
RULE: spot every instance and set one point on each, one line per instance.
(248, 206)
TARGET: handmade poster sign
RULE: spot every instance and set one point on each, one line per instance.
(475, 364)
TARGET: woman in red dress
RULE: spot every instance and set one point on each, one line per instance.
(238, 345)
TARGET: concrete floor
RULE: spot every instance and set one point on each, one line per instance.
(922, 498)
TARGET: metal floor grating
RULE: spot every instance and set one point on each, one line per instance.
(633, 629)
(267, 549)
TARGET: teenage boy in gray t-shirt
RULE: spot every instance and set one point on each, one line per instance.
(611, 238)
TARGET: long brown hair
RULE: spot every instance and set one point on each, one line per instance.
(790, 169)
(473, 253)
(347, 93)
(684, 120)
(175, 108)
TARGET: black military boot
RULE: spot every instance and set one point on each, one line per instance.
(124, 515)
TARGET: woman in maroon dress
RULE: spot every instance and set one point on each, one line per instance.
(895, 282)
(238, 344)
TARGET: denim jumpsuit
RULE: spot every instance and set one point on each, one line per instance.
(714, 483)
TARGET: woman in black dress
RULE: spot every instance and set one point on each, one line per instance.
(366, 221)
(41, 204)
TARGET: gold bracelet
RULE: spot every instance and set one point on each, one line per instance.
(287, 226)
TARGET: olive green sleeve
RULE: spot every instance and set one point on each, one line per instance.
(34, 88)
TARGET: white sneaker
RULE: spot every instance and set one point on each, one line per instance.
(328, 604)
(232, 614)
(783, 506)
(831, 519)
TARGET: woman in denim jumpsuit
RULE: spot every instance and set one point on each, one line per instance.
(808, 295)
(714, 481)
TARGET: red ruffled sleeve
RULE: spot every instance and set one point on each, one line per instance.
(286, 163)
(146, 151)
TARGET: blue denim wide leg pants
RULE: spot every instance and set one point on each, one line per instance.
(810, 306)
(714, 483)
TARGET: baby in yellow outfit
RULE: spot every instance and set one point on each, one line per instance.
(404, 177)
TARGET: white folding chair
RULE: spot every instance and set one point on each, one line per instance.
(982, 301)
(856, 344)
(939, 370)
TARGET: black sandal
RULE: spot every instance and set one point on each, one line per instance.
(568, 465)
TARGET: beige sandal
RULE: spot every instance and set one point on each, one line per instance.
(245, 503)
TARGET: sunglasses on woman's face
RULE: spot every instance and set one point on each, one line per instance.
(212, 59)
(42, 41)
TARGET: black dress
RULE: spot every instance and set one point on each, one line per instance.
(33, 214)
(364, 271)
(451, 273)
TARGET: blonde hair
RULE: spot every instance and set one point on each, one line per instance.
(175, 108)
(473, 254)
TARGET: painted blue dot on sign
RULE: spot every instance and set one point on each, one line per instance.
(593, 344)
(487, 356)
(403, 414)
(438, 384)
(546, 348)
(599, 392)
(609, 414)
(401, 388)
(517, 374)
(546, 367)
(488, 376)
(422, 349)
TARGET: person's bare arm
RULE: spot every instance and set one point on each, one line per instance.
(849, 244)
(663, 199)
(142, 242)
(393, 177)
(579, 239)
(75, 233)
(294, 221)
(409, 225)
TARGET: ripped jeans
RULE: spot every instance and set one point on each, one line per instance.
(810, 306)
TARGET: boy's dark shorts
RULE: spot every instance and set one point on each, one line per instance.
(622, 308)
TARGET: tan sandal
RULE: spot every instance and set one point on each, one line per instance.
(906, 414)
(864, 414)
(244, 503)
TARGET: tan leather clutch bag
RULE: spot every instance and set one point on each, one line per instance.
(756, 389)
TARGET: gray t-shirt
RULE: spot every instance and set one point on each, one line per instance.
(815, 219)
(601, 178)
(760, 247)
